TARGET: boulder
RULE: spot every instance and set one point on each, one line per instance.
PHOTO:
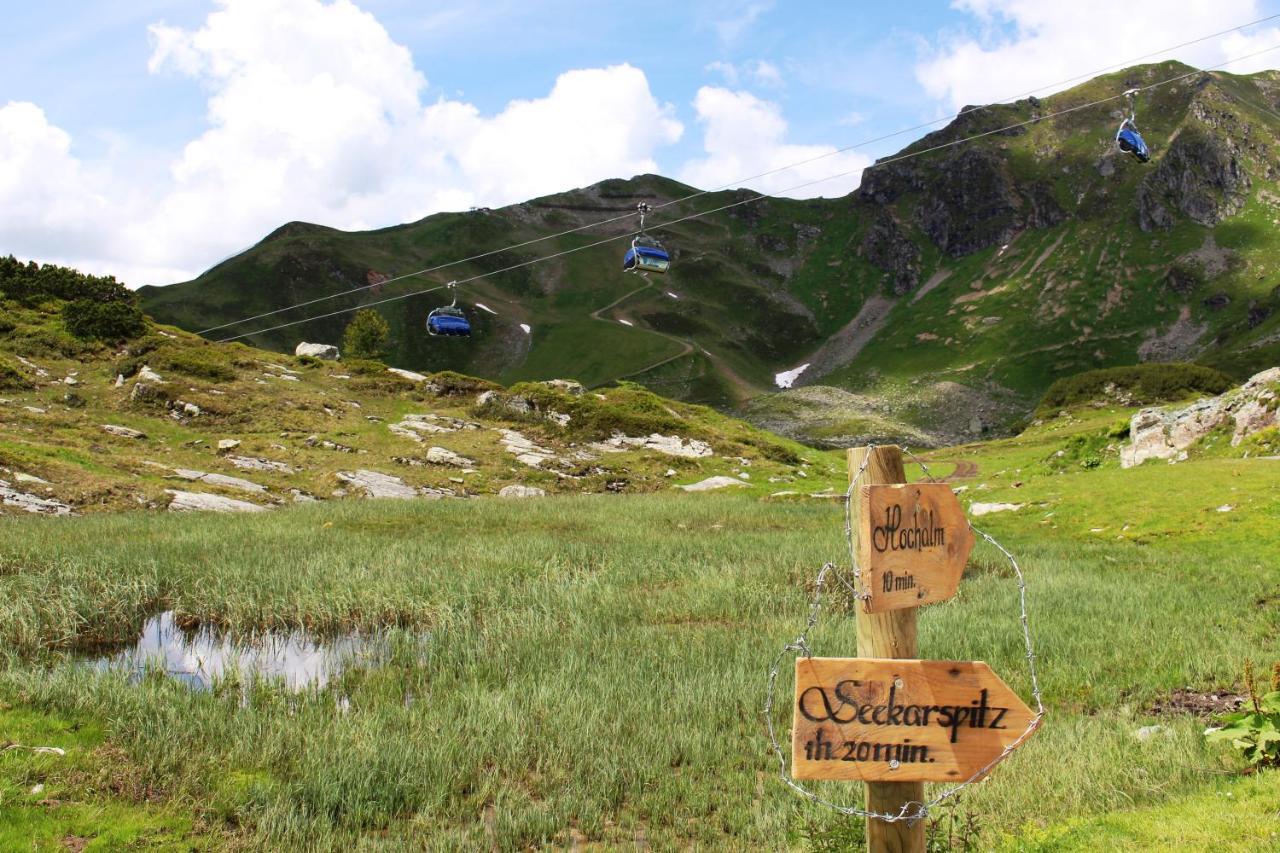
(252, 463)
(377, 485)
(712, 483)
(441, 456)
(976, 509)
(1157, 433)
(671, 445)
(146, 374)
(327, 352)
(407, 374)
(123, 431)
(521, 492)
(198, 501)
(226, 444)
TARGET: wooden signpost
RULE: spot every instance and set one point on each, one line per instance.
(901, 720)
(884, 717)
(913, 543)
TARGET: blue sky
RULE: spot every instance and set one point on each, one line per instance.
(152, 138)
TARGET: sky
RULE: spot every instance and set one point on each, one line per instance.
(154, 138)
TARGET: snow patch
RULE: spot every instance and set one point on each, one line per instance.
(626, 322)
(525, 327)
(484, 307)
(672, 295)
(787, 378)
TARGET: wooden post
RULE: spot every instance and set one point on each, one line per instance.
(886, 635)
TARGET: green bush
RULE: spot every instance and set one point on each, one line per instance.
(1142, 384)
(96, 320)
(366, 335)
(32, 283)
(451, 384)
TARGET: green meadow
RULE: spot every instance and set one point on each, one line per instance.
(591, 670)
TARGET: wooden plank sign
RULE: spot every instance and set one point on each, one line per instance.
(886, 720)
(913, 542)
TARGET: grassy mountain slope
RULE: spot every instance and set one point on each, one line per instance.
(953, 286)
(303, 425)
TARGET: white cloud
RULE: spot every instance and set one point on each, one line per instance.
(314, 113)
(740, 19)
(744, 135)
(760, 71)
(1055, 41)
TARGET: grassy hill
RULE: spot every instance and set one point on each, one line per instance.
(954, 286)
(92, 425)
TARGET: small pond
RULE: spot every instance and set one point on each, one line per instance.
(205, 655)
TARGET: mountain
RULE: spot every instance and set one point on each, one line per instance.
(937, 301)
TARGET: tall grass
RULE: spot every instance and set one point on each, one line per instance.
(585, 667)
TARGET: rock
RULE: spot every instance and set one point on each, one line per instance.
(70, 380)
(887, 247)
(143, 391)
(1148, 732)
(567, 386)
(301, 497)
(976, 509)
(407, 374)
(1157, 433)
(712, 483)
(123, 431)
(219, 480)
(486, 397)
(327, 352)
(226, 444)
(671, 472)
(377, 485)
(441, 456)
(31, 503)
(525, 451)
(35, 410)
(119, 380)
(414, 425)
(521, 492)
(198, 501)
(146, 374)
(671, 445)
(252, 463)
(1199, 176)
(1225, 508)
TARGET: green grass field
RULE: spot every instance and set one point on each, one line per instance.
(592, 669)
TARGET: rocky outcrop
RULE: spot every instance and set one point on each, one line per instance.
(885, 245)
(1157, 433)
(1201, 177)
(201, 502)
(671, 445)
(377, 485)
(327, 352)
(442, 456)
(968, 200)
(10, 496)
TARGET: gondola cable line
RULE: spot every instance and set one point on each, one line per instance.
(737, 182)
(762, 196)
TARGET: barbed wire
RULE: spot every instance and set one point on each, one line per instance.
(911, 811)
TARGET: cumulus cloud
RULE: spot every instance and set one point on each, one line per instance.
(314, 112)
(1026, 43)
(744, 135)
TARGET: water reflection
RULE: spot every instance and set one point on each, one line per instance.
(200, 657)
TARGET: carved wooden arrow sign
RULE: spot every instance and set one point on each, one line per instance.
(885, 720)
(913, 543)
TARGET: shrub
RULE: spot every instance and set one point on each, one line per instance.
(97, 320)
(366, 335)
(1139, 384)
(33, 283)
(447, 383)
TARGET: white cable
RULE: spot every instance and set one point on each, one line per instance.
(738, 182)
